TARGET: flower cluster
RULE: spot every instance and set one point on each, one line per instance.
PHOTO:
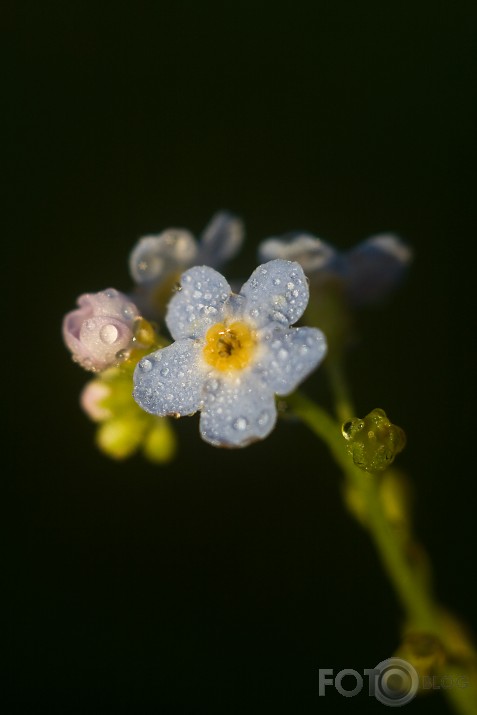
(232, 352)
(366, 274)
(157, 261)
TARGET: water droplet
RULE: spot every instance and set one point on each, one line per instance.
(255, 313)
(290, 285)
(109, 334)
(212, 385)
(264, 271)
(283, 354)
(165, 371)
(145, 365)
(276, 281)
(110, 293)
(279, 317)
(197, 294)
(263, 418)
(241, 423)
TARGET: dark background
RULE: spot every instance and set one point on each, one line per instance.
(221, 583)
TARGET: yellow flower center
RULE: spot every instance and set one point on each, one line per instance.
(229, 347)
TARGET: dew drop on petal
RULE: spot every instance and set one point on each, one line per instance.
(240, 424)
(165, 371)
(145, 365)
(276, 281)
(212, 385)
(263, 418)
(109, 334)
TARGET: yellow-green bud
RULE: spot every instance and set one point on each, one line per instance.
(159, 443)
(373, 442)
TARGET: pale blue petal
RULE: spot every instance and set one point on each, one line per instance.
(198, 304)
(374, 268)
(155, 257)
(310, 252)
(169, 381)
(276, 291)
(287, 357)
(221, 239)
(237, 411)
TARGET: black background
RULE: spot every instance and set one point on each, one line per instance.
(222, 582)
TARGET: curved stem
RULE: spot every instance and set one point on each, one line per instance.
(417, 601)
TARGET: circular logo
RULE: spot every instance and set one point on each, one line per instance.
(396, 682)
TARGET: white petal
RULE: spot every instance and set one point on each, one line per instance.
(221, 239)
(276, 291)
(154, 257)
(237, 411)
(310, 252)
(169, 381)
(288, 356)
(199, 303)
(374, 268)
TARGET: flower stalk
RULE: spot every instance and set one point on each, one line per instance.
(422, 613)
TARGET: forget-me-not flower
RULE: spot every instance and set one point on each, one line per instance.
(157, 261)
(366, 273)
(100, 328)
(232, 352)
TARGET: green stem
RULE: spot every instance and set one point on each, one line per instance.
(416, 601)
(421, 610)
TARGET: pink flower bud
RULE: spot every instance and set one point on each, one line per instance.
(92, 395)
(100, 328)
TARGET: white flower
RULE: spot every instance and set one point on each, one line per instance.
(155, 257)
(367, 272)
(233, 352)
(100, 328)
